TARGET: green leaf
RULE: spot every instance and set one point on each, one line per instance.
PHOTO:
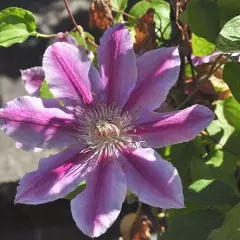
(229, 37)
(162, 19)
(204, 19)
(194, 225)
(181, 160)
(81, 40)
(232, 112)
(16, 25)
(138, 10)
(221, 165)
(201, 47)
(121, 5)
(210, 192)
(78, 190)
(219, 129)
(231, 75)
(230, 230)
(229, 9)
(161, 16)
(44, 91)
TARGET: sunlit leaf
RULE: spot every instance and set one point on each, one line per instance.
(229, 37)
(232, 112)
(44, 91)
(210, 192)
(221, 165)
(78, 190)
(16, 25)
(201, 47)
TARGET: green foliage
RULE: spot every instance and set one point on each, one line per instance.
(81, 40)
(229, 9)
(121, 5)
(78, 190)
(231, 75)
(44, 91)
(230, 230)
(221, 166)
(161, 16)
(229, 37)
(210, 193)
(195, 225)
(204, 19)
(181, 160)
(201, 47)
(232, 112)
(16, 25)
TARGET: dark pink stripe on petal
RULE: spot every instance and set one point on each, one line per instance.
(154, 180)
(70, 74)
(158, 71)
(117, 63)
(173, 128)
(32, 79)
(57, 176)
(38, 123)
(98, 206)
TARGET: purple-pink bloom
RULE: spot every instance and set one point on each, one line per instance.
(108, 130)
(32, 79)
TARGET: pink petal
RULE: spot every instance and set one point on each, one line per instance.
(70, 74)
(98, 206)
(173, 128)
(36, 122)
(206, 59)
(57, 176)
(154, 180)
(117, 63)
(158, 71)
(32, 79)
(65, 37)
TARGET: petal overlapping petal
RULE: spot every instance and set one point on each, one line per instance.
(172, 128)
(157, 72)
(98, 206)
(154, 180)
(32, 79)
(40, 123)
(117, 63)
(58, 176)
(70, 74)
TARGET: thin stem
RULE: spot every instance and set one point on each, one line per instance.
(46, 35)
(205, 134)
(77, 27)
(202, 80)
(122, 12)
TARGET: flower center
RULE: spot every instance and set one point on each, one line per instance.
(104, 127)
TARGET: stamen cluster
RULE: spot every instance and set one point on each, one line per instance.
(104, 127)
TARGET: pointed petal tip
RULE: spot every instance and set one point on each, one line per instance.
(204, 112)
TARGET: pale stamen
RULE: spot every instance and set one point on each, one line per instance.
(105, 128)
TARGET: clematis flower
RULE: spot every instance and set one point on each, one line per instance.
(32, 79)
(107, 127)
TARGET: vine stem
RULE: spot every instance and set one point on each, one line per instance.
(122, 12)
(205, 134)
(202, 80)
(77, 27)
(45, 35)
